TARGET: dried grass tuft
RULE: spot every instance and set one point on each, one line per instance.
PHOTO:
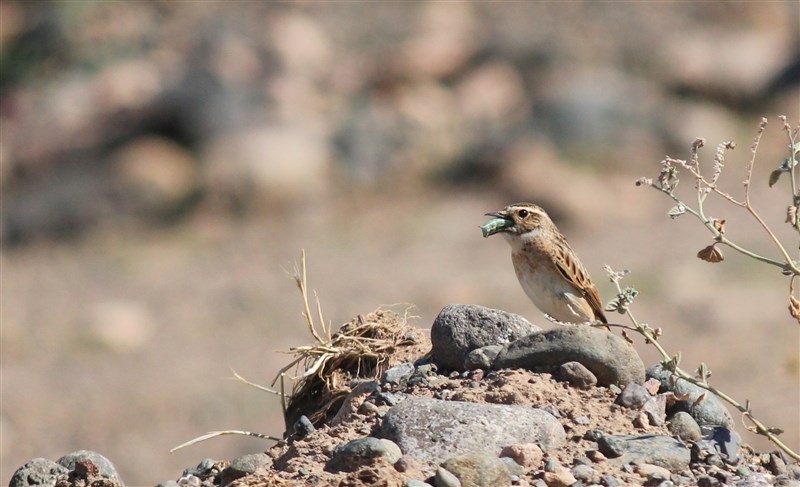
(360, 350)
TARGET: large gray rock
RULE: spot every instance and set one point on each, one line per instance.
(663, 451)
(609, 357)
(432, 430)
(40, 472)
(104, 466)
(709, 412)
(461, 328)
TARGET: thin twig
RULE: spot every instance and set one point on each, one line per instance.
(214, 434)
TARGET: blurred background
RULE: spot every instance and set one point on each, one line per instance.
(164, 163)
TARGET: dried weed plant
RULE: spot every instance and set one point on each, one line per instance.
(666, 182)
(360, 350)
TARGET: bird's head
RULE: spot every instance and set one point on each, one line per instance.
(519, 219)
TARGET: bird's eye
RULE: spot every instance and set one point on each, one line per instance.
(523, 213)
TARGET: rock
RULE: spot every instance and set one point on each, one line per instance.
(398, 375)
(38, 472)
(121, 326)
(656, 409)
(189, 481)
(168, 483)
(416, 483)
(303, 426)
(267, 163)
(104, 466)
(157, 177)
(561, 477)
(578, 375)
(609, 481)
(596, 457)
(526, 454)
(793, 470)
(246, 465)
(390, 398)
(785, 481)
(478, 469)
(710, 411)
(609, 357)
(684, 427)
(633, 396)
(444, 478)
(653, 472)
(202, 469)
(364, 451)
(551, 465)
(658, 450)
(776, 464)
(583, 472)
(494, 92)
(707, 481)
(444, 41)
(433, 430)
(514, 468)
(755, 480)
(482, 358)
(462, 328)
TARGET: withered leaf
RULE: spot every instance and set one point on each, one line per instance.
(791, 216)
(671, 398)
(794, 308)
(776, 431)
(702, 397)
(774, 176)
(676, 211)
(719, 225)
(711, 254)
(626, 337)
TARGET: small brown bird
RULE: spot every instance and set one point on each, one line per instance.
(547, 268)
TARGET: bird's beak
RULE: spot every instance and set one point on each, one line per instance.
(497, 224)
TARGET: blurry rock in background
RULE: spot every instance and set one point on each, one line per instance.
(146, 110)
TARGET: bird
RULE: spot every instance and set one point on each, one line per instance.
(549, 271)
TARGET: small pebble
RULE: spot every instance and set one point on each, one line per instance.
(446, 479)
(593, 435)
(526, 454)
(653, 472)
(684, 427)
(303, 427)
(715, 460)
(609, 481)
(596, 456)
(707, 481)
(581, 460)
(633, 396)
(551, 465)
(583, 472)
(561, 477)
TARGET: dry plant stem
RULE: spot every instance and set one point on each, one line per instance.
(214, 434)
(708, 223)
(757, 426)
(704, 187)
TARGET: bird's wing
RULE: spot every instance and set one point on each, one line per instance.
(573, 271)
